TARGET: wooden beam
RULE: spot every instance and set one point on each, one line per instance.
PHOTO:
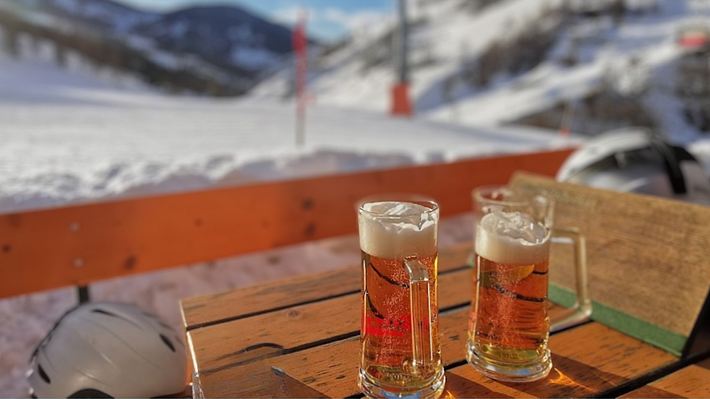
(77, 245)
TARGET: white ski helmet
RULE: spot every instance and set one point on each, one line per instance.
(635, 160)
(103, 350)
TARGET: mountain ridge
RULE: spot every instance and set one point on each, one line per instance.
(214, 49)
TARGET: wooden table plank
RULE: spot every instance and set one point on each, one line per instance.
(259, 380)
(239, 341)
(587, 360)
(327, 368)
(578, 371)
(690, 382)
(329, 363)
(332, 366)
(212, 309)
(309, 347)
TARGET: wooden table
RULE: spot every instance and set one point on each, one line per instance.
(299, 338)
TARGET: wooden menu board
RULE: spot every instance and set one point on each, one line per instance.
(648, 259)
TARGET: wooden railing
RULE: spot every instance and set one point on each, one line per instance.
(77, 245)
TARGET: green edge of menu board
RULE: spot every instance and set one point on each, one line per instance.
(635, 327)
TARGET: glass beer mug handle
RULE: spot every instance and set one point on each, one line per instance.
(420, 309)
(582, 309)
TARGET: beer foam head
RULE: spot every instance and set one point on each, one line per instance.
(512, 238)
(397, 229)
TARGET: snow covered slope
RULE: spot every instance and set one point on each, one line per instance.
(81, 133)
(506, 60)
(32, 76)
(360, 74)
(608, 56)
(130, 144)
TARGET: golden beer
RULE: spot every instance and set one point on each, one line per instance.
(509, 325)
(401, 353)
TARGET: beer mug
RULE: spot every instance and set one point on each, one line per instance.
(509, 324)
(400, 353)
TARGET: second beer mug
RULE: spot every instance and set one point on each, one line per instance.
(401, 354)
(509, 324)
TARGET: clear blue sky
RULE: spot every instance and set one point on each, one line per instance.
(328, 19)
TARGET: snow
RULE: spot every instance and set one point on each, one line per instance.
(121, 24)
(111, 144)
(636, 58)
(641, 51)
(448, 33)
(35, 78)
(80, 134)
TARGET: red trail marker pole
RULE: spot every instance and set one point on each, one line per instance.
(401, 104)
(300, 48)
